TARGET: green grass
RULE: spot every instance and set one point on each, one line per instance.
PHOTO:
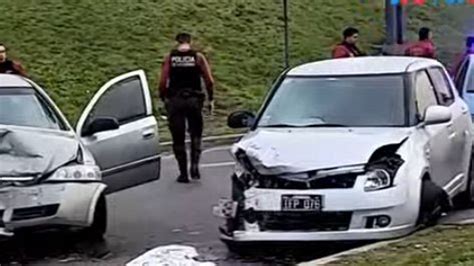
(435, 247)
(73, 47)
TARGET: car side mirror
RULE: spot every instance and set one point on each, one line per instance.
(240, 119)
(437, 115)
(100, 124)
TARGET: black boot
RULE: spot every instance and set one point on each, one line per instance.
(195, 172)
(195, 157)
(183, 167)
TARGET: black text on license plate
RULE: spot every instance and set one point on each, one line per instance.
(301, 203)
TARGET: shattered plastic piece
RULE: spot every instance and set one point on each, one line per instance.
(170, 255)
(32, 153)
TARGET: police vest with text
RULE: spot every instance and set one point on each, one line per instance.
(185, 74)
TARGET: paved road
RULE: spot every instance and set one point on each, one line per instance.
(155, 214)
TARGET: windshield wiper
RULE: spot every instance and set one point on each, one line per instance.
(309, 125)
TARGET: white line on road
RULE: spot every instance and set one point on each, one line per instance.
(209, 165)
(171, 156)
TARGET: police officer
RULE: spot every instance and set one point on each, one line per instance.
(8, 66)
(180, 90)
(348, 46)
(424, 47)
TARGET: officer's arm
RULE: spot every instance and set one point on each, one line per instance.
(165, 71)
(207, 74)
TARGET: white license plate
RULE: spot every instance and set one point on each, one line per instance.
(301, 203)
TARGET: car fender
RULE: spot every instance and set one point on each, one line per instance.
(95, 199)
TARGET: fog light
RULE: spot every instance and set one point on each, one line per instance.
(383, 221)
(250, 216)
(378, 221)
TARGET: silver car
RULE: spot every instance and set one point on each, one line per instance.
(53, 175)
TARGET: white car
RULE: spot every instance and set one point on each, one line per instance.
(349, 149)
(52, 175)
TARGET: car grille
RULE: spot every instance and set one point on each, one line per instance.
(330, 182)
(35, 212)
(307, 221)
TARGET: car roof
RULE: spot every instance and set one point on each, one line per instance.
(366, 65)
(13, 81)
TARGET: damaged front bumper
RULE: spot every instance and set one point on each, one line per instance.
(48, 204)
(262, 215)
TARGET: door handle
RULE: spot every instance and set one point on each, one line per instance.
(148, 134)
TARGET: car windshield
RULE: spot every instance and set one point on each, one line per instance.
(23, 107)
(355, 101)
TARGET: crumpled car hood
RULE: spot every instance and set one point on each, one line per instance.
(34, 153)
(278, 151)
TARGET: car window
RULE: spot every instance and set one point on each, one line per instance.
(124, 101)
(461, 77)
(24, 107)
(425, 95)
(359, 101)
(442, 86)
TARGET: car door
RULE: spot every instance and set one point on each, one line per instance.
(128, 156)
(459, 127)
(439, 145)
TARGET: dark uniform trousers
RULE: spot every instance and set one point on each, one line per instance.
(186, 108)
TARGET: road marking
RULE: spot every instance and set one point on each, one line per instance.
(171, 156)
(211, 165)
(169, 255)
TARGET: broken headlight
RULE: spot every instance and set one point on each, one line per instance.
(244, 170)
(77, 173)
(380, 174)
(376, 179)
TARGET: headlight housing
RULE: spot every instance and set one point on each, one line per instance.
(377, 179)
(244, 170)
(77, 173)
(381, 173)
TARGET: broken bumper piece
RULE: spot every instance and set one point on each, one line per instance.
(268, 215)
(69, 204)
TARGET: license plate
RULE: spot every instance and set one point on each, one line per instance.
(301, 203)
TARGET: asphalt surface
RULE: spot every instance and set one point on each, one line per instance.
(160, 213)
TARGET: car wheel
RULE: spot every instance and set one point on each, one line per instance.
(432, 202)
(99, 224)
(466, 198)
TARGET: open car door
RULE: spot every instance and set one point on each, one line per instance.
(119, 129)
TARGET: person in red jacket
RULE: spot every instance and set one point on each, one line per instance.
(424, 47)
(8, 66)
(348, 47)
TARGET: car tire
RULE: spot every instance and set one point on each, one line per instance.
(466, 198)
(98, 227)
(432, 202)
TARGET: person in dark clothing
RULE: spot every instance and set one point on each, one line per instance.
(348, 47)
(8, 66)
(459, 57)
(424, 47)
(180, 90)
